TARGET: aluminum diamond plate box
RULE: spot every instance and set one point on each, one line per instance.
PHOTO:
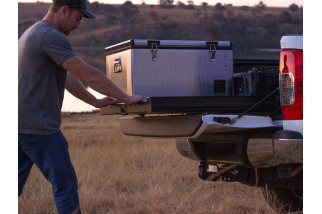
(171, 68)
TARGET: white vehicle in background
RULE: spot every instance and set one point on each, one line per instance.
(257, 141)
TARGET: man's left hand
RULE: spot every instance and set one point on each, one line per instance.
(105, 102)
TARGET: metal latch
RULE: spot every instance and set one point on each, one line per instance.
(154, 50)
(222, 120)
(212, 51)
(117, 65)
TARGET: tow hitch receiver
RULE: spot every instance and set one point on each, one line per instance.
(205, 174)
(258, 177)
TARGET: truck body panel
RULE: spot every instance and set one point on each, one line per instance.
(293, 125)
(292, 41)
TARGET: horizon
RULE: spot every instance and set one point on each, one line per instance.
(271, 3)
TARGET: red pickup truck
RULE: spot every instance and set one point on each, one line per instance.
(254, 137)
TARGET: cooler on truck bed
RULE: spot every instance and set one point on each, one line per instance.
(171, 68)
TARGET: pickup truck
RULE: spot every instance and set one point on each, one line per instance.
(254, 137)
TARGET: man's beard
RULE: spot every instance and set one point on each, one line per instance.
(67, 32)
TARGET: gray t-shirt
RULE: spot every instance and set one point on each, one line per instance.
(41, 78)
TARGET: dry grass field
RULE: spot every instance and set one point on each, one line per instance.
(122, 174)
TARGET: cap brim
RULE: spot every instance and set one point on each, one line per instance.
(87, 14)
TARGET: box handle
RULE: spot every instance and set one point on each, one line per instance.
(117, 65)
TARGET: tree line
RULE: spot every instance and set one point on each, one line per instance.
(254, 29)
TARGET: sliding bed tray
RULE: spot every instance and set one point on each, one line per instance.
(214, 104)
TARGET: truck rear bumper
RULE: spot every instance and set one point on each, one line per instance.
(161, 126)
(252, 140)
(253, 149)
(191, 126)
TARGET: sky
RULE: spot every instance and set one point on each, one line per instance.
(269, 3)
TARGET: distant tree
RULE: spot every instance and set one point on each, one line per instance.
(181, 4)
(293, 8)
(244, 7)
(261, 6)
(204, 8)
(191, 5)
(128, 9)
(285, 17)
(204, 5)
(99, 8)
(166, 3)
(219, 6)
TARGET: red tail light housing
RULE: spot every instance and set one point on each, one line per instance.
(291, 84)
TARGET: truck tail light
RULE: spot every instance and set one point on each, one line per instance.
(291, 84)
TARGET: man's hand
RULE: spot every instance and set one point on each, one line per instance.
(110, 101)
(134, 99)
(105, 102)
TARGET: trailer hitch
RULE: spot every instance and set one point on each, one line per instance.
(258, 177)
(204, 174)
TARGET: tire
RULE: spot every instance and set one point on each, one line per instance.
(284, 200)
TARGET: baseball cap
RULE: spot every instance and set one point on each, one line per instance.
(77, 4)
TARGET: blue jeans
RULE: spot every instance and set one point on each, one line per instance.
(50, 154)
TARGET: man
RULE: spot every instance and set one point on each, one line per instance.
(47, 64)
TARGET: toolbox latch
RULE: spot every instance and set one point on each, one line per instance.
(212, 51)
(154, 49)
(117, 65)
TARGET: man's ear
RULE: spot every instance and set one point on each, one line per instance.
(64, 10)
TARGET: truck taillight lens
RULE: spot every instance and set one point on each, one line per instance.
(291, 84)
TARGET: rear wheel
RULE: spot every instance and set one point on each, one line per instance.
(284, 200)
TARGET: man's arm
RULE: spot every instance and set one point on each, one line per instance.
(76, 88)
(96, 80)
